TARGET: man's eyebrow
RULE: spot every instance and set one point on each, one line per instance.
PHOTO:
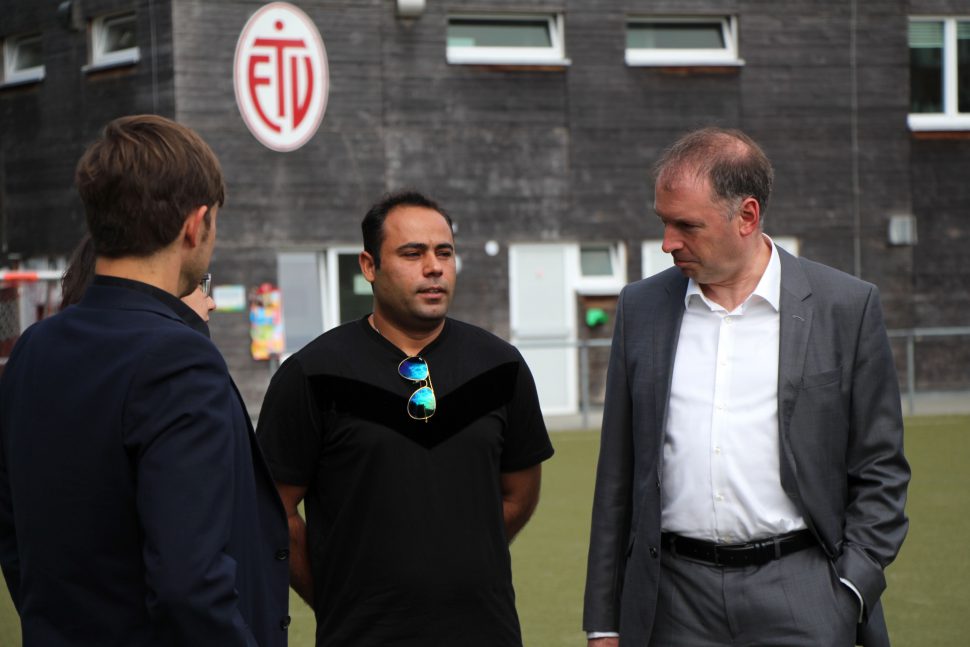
(420, 247)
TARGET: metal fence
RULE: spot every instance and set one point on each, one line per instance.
(911, 336)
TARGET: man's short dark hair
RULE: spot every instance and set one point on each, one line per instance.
(733, 163)
(141, 180)
(372, 226)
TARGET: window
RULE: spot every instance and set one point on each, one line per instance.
(939, 74)
(602, 268)
(682, 40)
(350, 294)
(299, 279)
(506, 40)
(23, 59)
(596, 260)
(321, 290)
(113, 41)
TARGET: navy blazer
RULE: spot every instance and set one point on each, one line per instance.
(135, 505)
(841, 431)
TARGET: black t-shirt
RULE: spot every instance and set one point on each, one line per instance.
(405, 527)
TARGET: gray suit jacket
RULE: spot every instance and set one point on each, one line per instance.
(841, 439)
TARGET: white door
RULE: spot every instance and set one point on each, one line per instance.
(543, 314)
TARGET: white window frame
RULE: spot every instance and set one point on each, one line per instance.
(101, 59)
(331, 282)
(950, 118)
(643, 57)
(555, 54)
(602, 285)
(12, 76)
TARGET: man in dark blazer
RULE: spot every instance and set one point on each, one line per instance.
(751, 479)
(135, 506)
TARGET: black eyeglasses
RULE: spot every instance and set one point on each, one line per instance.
(421, 404)
(206, 283)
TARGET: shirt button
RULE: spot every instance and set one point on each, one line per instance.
(717, 450)
(282, 554)
(653, 552)
(284, 623)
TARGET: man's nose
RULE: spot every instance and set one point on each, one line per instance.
(433, 266)
(671, 241)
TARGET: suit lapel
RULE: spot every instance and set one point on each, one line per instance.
(666, 331)
(795, 325)
(259, 461)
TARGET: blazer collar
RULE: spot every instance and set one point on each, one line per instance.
(666, 334)
(118, 295)
(795, 325)
(174, 305)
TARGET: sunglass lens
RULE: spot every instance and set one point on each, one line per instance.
(413, 368)
(421, 405)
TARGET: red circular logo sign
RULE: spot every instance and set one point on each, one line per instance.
(281, 76)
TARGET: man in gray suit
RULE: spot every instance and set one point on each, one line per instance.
(751, 478)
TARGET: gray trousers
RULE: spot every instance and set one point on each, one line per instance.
(795, 601)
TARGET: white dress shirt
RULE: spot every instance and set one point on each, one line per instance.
(721, 475)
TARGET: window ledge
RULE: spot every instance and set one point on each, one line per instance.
(641, 61)
(114, 62)
(510, 62)
(591, 287)
(938, 122)
(22, 80)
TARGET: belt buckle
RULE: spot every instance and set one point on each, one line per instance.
(768, 549)
(717, 555)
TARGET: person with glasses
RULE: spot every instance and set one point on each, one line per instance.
(135, 505)
(80, 272)
(417, 442)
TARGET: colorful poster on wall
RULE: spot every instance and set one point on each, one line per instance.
(266, 322)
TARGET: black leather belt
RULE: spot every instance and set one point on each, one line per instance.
(754, 553)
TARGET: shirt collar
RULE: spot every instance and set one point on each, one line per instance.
(768, 288)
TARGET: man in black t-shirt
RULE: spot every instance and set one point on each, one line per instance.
(417, 442)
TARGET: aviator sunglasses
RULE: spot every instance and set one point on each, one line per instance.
(421, 404)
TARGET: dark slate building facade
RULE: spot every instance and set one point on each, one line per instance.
(535, 125)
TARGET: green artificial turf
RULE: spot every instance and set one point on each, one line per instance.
(928, 597)
(929, 585)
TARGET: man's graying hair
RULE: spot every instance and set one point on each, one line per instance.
(735, 165)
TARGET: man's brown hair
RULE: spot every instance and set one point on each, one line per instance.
(141, 180)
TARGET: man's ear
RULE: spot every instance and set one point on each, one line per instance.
(749, 216)
(367, 266)
(195, 227)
